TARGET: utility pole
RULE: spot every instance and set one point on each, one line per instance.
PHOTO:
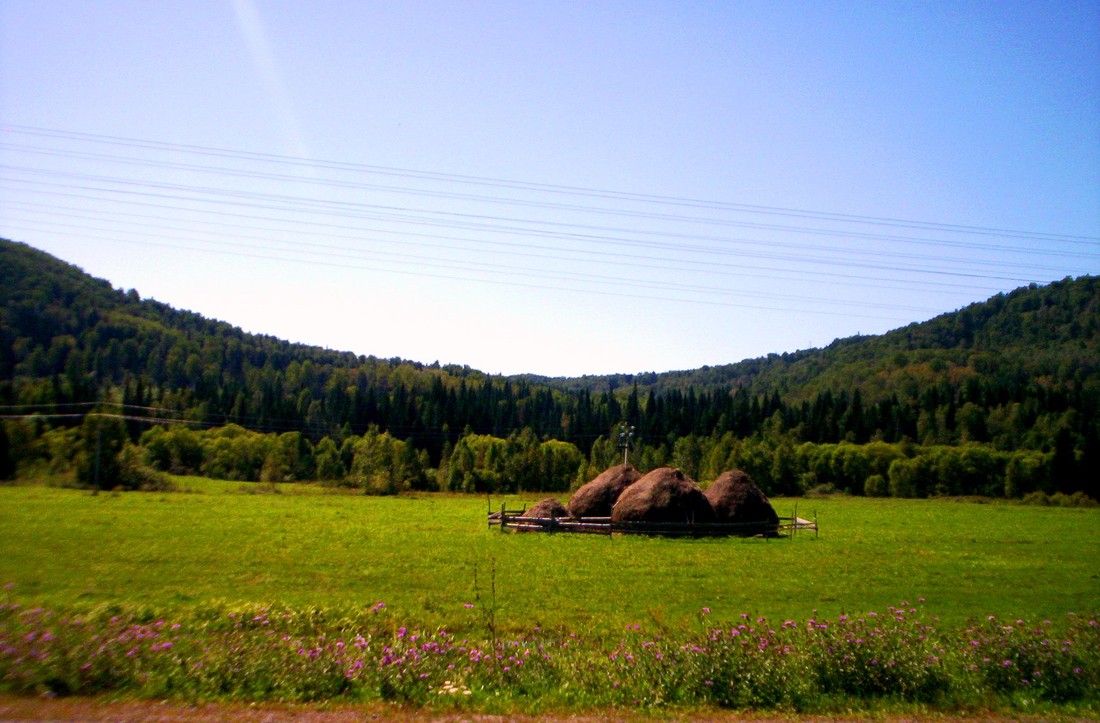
(626, 440)
(98, 449)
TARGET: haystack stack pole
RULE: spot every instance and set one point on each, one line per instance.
(626, 441)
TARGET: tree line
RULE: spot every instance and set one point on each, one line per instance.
(1018, 373)
(100, 454)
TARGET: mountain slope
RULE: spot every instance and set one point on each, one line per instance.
(1012, 371)
(1035, 331)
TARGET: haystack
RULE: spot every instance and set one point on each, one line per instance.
(545, 509)
(548, 507)
(596, 498)
(663, 495)
(736, 498)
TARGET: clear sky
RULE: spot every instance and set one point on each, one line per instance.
(555, 187)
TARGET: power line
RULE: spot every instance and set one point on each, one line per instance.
(474, 222)
(530, 185)
(530, 285)
(510, 232)
(620, 258)
(573, 207)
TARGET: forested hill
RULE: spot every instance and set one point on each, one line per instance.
(1035, 331)
(1019, 370)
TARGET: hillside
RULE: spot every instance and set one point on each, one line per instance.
(1017, 371)
(1033, 330)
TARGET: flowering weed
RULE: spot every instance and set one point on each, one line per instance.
(267, 653)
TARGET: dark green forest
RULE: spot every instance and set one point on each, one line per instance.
(999, 398)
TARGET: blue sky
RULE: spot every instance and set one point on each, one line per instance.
(556, 188)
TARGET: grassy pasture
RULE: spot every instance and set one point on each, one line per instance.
(420, 555)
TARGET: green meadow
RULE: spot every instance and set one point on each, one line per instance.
(247, 592)
(428, 557)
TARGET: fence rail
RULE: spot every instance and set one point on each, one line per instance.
(513, 520)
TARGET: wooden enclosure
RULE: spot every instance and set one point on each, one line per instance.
(514, 521)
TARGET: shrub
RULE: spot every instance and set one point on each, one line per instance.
(876, 486)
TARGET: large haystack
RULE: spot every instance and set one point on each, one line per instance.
(596, 498)
(663, 495)
(736, 498)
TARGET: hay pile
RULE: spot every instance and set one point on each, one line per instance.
(736, 498)
(546, 508)
(543, 509)
(663, 495)
(596, 498)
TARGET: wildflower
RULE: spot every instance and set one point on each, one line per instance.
(706, 611)
(467, 605)
(378, 606)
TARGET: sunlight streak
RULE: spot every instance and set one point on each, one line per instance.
(258, 41)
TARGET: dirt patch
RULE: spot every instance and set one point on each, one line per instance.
(94, 710)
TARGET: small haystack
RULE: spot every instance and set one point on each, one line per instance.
(596, 498)
(736, 499)
(663, 495)
(544, 509)
(547, 508)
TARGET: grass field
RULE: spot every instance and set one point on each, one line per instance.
(421, 555)
(257, 593)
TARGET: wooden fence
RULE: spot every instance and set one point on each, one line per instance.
(514, 521)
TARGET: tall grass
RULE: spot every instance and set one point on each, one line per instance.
(896, 657)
